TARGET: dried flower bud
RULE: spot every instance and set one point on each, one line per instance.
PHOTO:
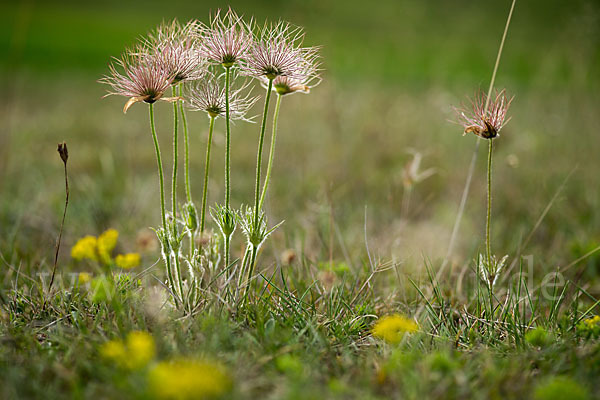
(288, 256)
(63, 151)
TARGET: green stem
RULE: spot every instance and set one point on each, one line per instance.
(175, 156)
(188, 191)
(489, 205)
(227, 140)
(271, 152)
(250, 271)
(206, 168)
(160, 168)
(227, 159)
(162, 197)
(261, 140)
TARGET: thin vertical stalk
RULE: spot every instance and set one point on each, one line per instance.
(250, 271)
(188, 191)
(227, 160)
(175, 156)
(261, 140)
(227, 140)
(162, 198)
(206, 168)
(174, 190)
(488, 223)
(271, 152)
(160, 168)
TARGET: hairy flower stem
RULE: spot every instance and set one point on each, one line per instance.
(489, 207)
(206, 168)
(162, 197)
(250, 271)
(160, 168)
(175, 156)
(271, 152)
(261, 141)
(174, 187)
(188, 191)
(227, 160)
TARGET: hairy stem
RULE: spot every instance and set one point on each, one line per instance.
(160, 168)
(188, 191)
(162, 199)
(489, 205)
(261, 140)
(206, 168)
(175, 156)
(227, 159)
(227, 139)
(271, 152)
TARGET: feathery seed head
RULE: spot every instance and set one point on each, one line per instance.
(139, 76)
(277, 52)
(226, 40)
(485, 123)
(175, 47)
(207, 95)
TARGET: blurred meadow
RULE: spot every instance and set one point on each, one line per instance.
(393, 70)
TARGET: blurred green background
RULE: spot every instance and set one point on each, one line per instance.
(393, 70)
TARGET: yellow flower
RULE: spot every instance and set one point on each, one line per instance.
(140, 349)
(113, 350)
(391, 328)
(85, 248)
(188, 379)
(106, 243)
(591, 322)
(129, 260)
(83, 278)
(135, 353)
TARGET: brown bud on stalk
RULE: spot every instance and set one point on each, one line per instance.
(63, 151)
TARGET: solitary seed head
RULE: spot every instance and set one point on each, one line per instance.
(485, 123)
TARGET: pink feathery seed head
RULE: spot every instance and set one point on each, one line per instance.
(208, 96)
(277, 51)
(226, 40)
(175, 47)
(481, 122)
(308, 77)
(139, 76)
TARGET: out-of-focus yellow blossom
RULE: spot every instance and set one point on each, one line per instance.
(113, 350)
(83, 278)
(106, 243)
(85, 248)
(140, 348)
(589, 327)
(391, 328)
(135, 353)
(188, 379)
(127, 261)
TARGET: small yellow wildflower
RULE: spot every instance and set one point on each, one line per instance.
(106, 243)
(127, 261)
(83, 278)
(85, 248)
(135, 353)
(188, 379)
(391, 328)
(114, 350)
